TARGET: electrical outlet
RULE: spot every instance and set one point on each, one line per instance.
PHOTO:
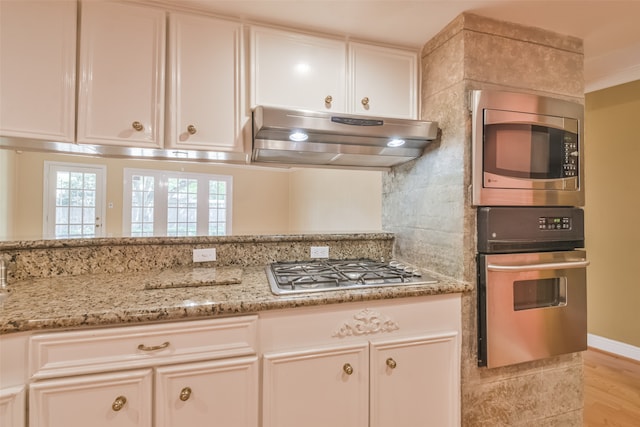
(204, 255)
(319, 252)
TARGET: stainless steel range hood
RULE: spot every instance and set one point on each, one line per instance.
(301, 137)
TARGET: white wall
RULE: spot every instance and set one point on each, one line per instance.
(332, 200)
(7, 193)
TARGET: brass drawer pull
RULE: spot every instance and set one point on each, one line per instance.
(328, 100)
(192, 129)
(185, 394)
(365, 101)
(143, 347)
(137, 126)
(391, 363)
(118, 403)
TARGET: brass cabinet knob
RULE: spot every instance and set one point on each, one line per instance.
(391, 363)
(347, 368)
(185, 394)
(365, 101)
(137, 126)
(118, 403)
(191, 129)
(328, 99)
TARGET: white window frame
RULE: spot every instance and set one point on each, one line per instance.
(160, 199)
(49, 195)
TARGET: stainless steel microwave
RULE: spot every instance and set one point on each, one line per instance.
(527, 150)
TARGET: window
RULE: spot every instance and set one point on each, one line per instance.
(73, 200)
(165, 203)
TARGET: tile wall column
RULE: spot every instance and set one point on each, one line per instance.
(427, 202)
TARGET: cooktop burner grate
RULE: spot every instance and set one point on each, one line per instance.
(324, 275)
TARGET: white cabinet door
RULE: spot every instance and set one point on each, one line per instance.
(121, 90)
(297, 71)
(384, 81)
(104, 400)
(414, 382)
(37, 69)
(220, 393)
(12, 407)
(320, 388)
(205, 56)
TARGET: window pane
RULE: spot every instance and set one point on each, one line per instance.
(89, 198)
(142, 187)
(62, 179)
(62, 230)
(90, 181)
(89, 216)
(77, 180)
(148, 216)
(62, 215)
(62, 197)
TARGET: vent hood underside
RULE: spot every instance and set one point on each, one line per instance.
(336, 139)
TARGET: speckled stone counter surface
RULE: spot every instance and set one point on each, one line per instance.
(121, 298)
(106, 282)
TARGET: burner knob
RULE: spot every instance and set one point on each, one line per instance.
(347, 368)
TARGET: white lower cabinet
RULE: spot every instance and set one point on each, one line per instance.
(194, 373)
(121, 399)
(413, 382)
(326, 387)
(216, 393)
(12, 401)
(376, 364)
(396, 383)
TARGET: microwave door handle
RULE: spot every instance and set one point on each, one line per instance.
(529, 267)
(492, 117)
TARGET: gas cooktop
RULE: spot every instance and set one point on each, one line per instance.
(296, 277)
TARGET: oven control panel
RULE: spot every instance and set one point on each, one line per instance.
(554, 223)
(511, 229)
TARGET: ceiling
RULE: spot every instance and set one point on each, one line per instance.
(609, 28)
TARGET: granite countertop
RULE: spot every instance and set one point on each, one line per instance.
(128, 298)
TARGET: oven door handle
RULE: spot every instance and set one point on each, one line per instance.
(548, 266)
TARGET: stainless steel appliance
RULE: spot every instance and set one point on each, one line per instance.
(298, 277)
(317, 138)
(527, 150)
(532, 300)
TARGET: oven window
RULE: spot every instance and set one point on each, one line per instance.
(524, 151)
(528, 294)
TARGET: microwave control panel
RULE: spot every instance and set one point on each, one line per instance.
(554, 223)
(570, 157)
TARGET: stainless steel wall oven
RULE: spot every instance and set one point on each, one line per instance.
(527, 150)
(531, 284)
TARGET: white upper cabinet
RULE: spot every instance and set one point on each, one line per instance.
(37, 69)
(121, 66)
(383, 81)
(205, 90)
(297, 70)
(294, 70)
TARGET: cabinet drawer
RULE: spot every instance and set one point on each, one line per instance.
(78, 352)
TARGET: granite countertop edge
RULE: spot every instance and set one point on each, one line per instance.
(100, 300)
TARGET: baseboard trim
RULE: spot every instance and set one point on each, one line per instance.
(614, 347)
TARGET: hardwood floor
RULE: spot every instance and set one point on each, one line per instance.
(611, 390)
